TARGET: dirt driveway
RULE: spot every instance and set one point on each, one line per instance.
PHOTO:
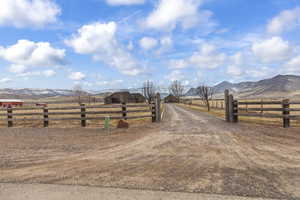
(189, 151)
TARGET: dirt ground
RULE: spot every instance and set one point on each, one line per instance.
(189, 152)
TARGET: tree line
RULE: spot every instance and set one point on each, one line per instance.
(177, 89)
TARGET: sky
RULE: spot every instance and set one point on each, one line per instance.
(110, 44)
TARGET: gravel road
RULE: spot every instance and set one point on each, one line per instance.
(188, 152)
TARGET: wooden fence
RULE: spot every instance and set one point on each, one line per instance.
(217, 104)
(82, 113)
(286, 110)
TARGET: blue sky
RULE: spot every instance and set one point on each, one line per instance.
(106, 44)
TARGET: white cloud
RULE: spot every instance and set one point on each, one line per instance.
(259, 73)
(272, 50)
(112, 83)
(207, 57)
(293, 65)
(124, 2)
(238, 58)
(5, 80)
(28, 13)
(177, 64)
(26, 54)
(100, 41)
(234, 70)
(77, 76)
(49, 73)
(130, 46)
(175, 75)
(17, 69)
(169, 13)
(148, 43)
(287, 20)
(166, 43)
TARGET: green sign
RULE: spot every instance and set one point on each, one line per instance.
(107, 123)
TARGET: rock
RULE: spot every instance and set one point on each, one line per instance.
(123, 124)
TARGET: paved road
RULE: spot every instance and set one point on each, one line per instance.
(188, 152)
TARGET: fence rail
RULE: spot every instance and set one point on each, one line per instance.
(81, 113)
(284, 109)
(217, 104)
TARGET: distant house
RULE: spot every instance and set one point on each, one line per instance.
(124, 97)
(171, 99)
(11, 102)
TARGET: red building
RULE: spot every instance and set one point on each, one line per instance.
(11, 102)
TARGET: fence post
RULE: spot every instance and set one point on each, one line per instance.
(235, 111)
(46, 117)
(231, 108)
(286, 112)
(83, 115)
(153, 112)
(157, 108)
(9, 116)
(124, 111)
(226, 93)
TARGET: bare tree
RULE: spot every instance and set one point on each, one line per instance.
(176, 89)
(78, 91)
(205, 93)
(149, 91)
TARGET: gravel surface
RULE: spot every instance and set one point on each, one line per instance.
(188, 152)
(62, 192)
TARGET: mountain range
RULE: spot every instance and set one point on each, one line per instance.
(28, 93)
(280, 86)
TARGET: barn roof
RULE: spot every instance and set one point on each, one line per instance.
(11, 100)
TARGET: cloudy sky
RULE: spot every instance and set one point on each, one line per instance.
(120, 43)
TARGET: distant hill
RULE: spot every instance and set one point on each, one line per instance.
(35, 93)
(281, 86)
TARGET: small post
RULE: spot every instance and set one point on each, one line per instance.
(9, 116)
(157, 107)
(231, 108)
(107, 123)
(261, 106)
(286, 113)
(235, 111)
(226, 93)
(83, 115)
(124, 111)
(46, 117)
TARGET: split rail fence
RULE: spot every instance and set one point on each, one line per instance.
(286, 109)
(217, 104)
(81, 113)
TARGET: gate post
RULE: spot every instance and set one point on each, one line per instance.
(9, 116)
(152, 104)
(235, 111)
(226, 98)
(46, 117)
(124, 111)
(231, 107)
(157, 108)
(83, 115)
(286, 113)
